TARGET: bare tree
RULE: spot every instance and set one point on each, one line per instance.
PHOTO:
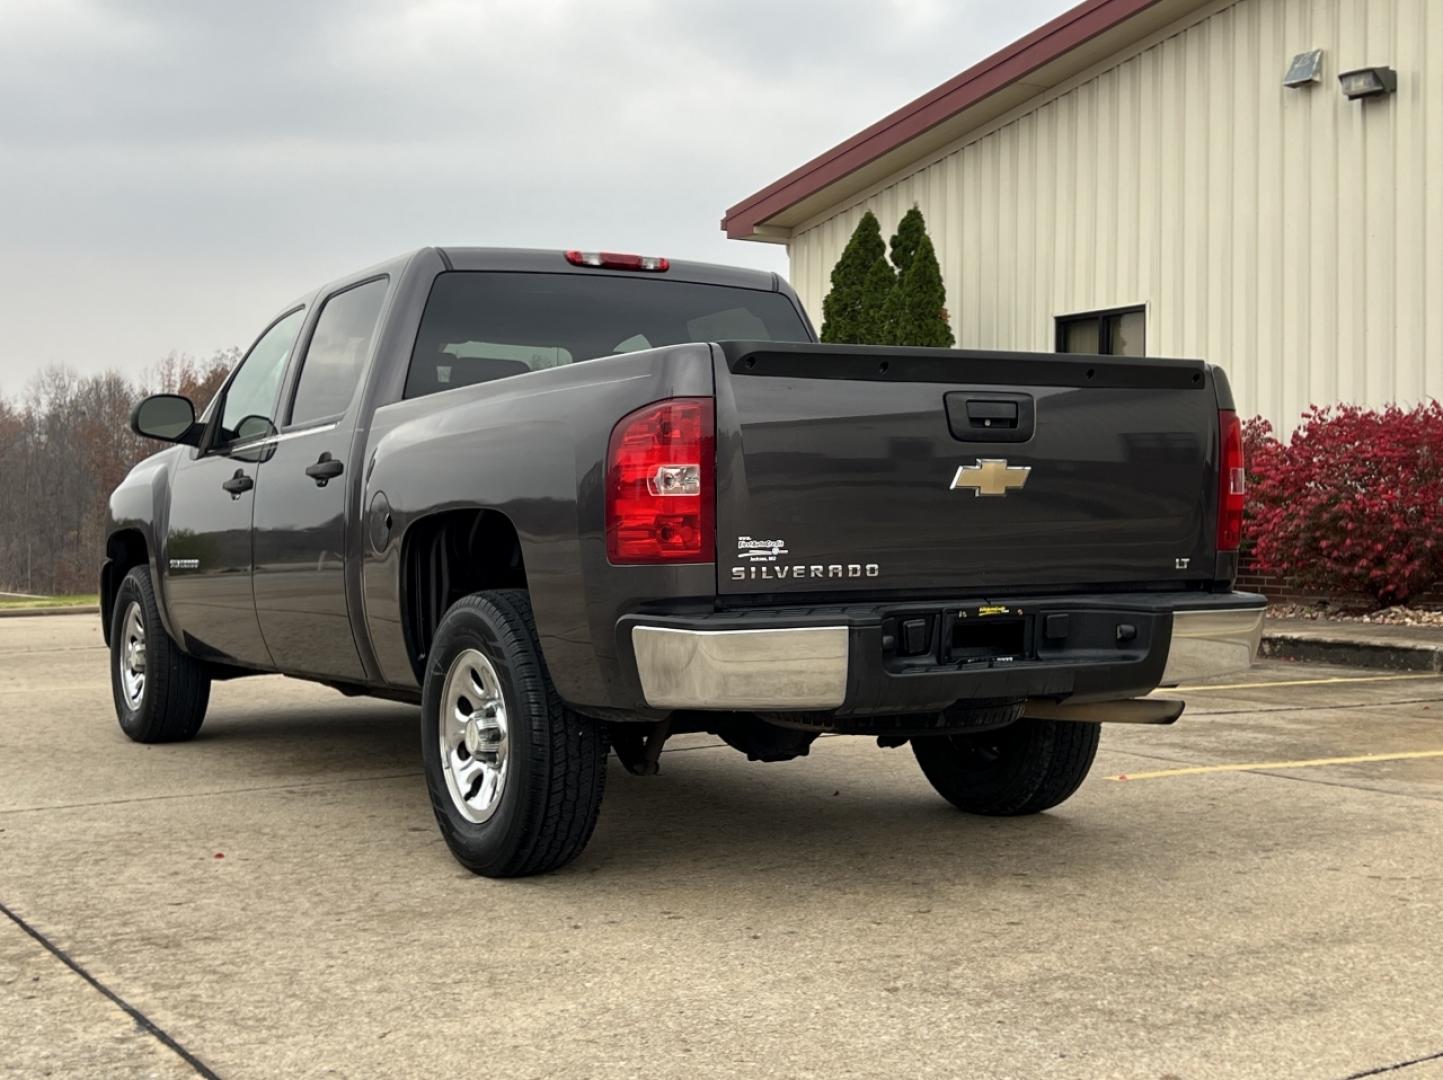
(64, 446)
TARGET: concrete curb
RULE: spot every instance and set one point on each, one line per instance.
(1350, 652)
(74, 609)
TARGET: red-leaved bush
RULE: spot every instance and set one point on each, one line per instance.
(1352, 503)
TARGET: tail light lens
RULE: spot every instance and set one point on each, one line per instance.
(1232, 481)
(661, 484)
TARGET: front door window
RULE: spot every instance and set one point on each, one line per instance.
(250, 399)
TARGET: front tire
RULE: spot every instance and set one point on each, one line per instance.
(515, 777)
(160, 693)
(1025, 768)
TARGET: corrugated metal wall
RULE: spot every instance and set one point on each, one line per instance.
(1291, 235)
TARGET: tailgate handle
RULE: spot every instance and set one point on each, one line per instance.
(985, 414)
(979, 416)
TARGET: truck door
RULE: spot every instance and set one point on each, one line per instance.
(206, 556)
(301, 502)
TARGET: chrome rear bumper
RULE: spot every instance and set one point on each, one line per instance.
(810, 668)
(775, 669)
(1206, 644)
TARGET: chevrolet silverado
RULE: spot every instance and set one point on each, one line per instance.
(575, 502)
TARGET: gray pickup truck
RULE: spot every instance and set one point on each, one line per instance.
(412, 487)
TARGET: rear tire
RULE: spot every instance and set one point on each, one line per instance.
(160, 693)
(515, 777)
(1025, 768)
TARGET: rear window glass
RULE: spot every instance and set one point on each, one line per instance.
(482, 325)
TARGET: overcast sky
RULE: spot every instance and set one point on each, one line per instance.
(171, 173)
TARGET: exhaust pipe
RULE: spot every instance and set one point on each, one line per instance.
(1147, 710)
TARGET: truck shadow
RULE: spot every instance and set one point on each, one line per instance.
(838, 817)
(846, 810)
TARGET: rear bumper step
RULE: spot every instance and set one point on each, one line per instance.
(869, 660)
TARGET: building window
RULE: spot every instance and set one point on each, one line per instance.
(1120, 332)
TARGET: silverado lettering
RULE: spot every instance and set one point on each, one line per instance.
(777, 573)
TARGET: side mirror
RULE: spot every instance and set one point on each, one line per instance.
(253, 428)
(167, 417)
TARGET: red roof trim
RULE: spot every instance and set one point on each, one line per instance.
(1001, 69)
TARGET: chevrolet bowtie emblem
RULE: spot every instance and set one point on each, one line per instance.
(991, 476)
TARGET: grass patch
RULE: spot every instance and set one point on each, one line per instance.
(10, 603)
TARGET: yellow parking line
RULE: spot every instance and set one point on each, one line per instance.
(1304, 682)
(1195, 770)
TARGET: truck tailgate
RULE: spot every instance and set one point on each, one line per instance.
(847, 469)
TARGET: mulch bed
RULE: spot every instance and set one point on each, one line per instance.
(1323, 612)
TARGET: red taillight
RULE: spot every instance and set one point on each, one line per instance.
(1232, 481)
(615, 260)
(660, 484)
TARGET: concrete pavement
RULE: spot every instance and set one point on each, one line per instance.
(275, 900)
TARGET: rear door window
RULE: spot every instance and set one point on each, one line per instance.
(338, 351)
(484, 325)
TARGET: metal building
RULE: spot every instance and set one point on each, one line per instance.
(1172, 178)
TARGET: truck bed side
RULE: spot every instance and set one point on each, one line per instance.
(530, 448)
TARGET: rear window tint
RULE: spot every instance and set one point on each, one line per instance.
(481, 325)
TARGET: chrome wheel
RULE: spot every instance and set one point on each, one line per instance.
(474, 744)
(130, 656)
